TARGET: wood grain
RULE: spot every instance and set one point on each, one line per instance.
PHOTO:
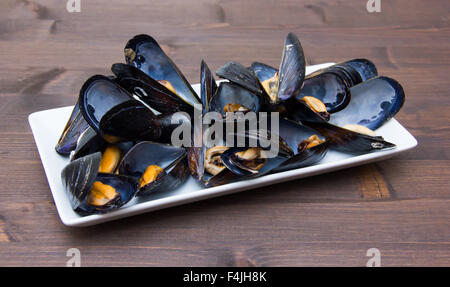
(400, 206)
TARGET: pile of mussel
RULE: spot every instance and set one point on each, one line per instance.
(119, 136)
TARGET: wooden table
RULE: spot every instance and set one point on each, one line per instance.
(400, 206)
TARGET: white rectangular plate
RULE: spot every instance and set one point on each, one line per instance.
(47, 126)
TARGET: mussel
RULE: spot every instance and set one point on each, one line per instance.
(159, 95)
(373, 102)
(91, 191)
(332, 85)
(145, 53)
(253, 159)
(327, 90)
(231, 98)
(286, 82)
(309, 146)
(157, 167)
(301, 146)
(116, 116)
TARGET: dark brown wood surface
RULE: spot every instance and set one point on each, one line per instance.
(400, 206)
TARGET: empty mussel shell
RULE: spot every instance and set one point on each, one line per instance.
(92, 192)
(75, 126)
(157, 167)
(373, 102)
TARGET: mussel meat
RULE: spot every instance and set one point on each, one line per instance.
(157, 167)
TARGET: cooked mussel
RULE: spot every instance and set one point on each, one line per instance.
(93, 192)
(339, 138)
(286, 82)
(157, 167)
(248, 161)
(305, 146)
(114, 114)
(257, 153)
(332, 85)
(159, 95)
(145, 53)
(231, 98)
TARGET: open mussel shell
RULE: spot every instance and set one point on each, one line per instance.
(330, 87)
(148, 90)
(81, 175)
(238, 74)
(349, 141)
(262, 71)
(233, 98)
(294, 134)
(332, 84)
(339, 138)
(196, 152)
(171, 161)
(374, 102)
(114, 114)
(286, 82)
(90, 143)
(256, 152)
(243, 167)
(75, 126)
(145, 53)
